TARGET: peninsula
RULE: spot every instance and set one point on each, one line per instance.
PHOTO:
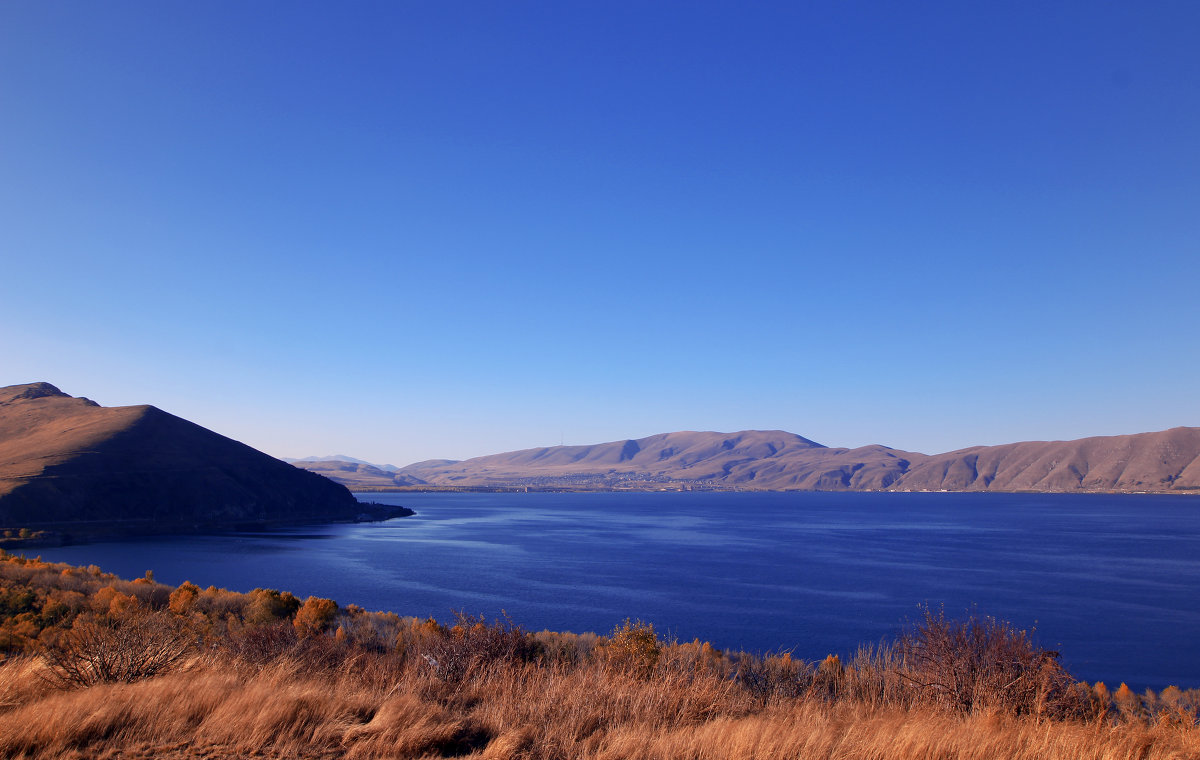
(69, 466)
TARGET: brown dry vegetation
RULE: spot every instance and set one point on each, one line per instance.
(264, 674)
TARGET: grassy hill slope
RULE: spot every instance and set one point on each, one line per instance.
(69, 463)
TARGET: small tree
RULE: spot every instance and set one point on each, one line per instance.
(267, 606)
(314, 616)
(1129, 704)
(182, 598)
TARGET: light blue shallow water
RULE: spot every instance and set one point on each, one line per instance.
(1111, 581)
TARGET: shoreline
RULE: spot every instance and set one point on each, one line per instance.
(718, 489)
(71, 534)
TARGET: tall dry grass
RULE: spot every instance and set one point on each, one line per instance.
(375, 708)
(103, 668)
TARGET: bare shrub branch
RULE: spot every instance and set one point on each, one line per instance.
(473, 642)
(981, 662)
(129, 648)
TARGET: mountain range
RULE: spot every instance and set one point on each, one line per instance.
(1165, 461)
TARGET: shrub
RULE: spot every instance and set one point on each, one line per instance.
(1176, 708)
(472, 643)
(182, 598)
(136, 645)
(827, 681)
(976, 662)
(267, 605)
(1129, 704)
(314, 616)
(262, 644)
(772, 676)
(633, 646)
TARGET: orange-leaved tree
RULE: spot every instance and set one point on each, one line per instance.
(315, 616)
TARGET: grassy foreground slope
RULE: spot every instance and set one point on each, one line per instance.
(97, 666)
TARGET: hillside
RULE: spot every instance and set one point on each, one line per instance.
(1163, 461)
(68, 463)
(1167, 461)
(92, 665)
(753, 458)
(356, 475)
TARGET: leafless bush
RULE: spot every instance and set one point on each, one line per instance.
(964, 664)
(772, 677)
(138, 645)
(473, 642)
(261, 644)
(564, 648)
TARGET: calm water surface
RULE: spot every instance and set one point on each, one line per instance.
(1112, 581)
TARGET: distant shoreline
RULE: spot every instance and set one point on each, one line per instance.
(726, 489)
(83, 532)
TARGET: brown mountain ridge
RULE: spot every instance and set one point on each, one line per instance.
(1166, 461)
(68, 463)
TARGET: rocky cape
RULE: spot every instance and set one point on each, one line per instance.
(1166, 461)
(71, 466)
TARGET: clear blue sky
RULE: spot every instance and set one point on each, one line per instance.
(407, 230)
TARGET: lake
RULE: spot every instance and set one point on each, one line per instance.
(1113, 581)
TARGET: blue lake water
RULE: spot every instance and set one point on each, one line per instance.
(1111, 581)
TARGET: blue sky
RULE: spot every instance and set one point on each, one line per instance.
(412, 230)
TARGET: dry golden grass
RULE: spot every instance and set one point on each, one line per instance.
(210, 709)
(264, 675)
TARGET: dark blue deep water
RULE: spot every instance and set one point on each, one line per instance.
(1111, 581)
